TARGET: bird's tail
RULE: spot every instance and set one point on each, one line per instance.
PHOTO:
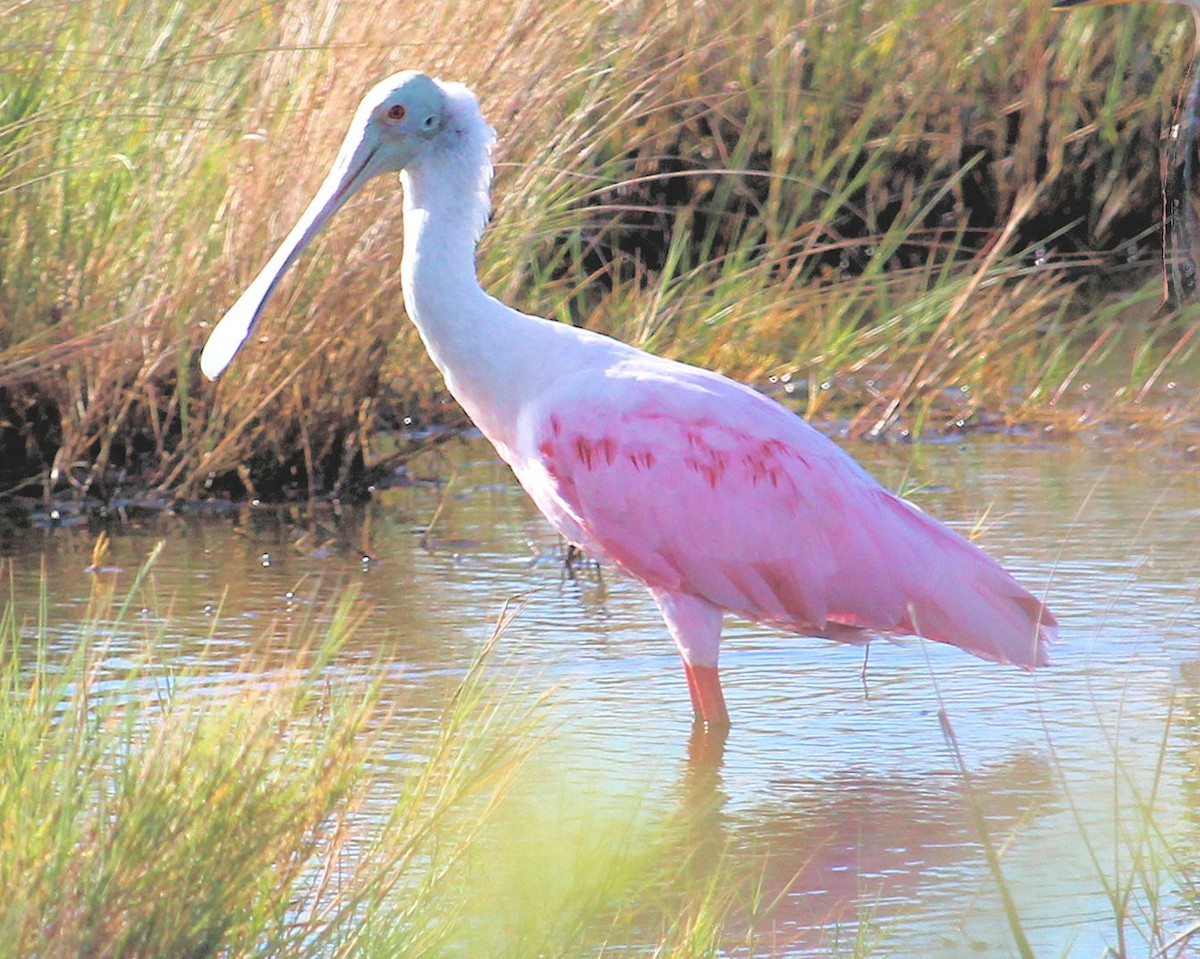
(957, 594)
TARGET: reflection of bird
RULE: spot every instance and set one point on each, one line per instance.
(712, 495)
(850, 846)
(1182, 214)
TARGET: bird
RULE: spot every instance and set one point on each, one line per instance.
(714, 496)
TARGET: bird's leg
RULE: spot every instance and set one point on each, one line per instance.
(705, 756)
(708, 702)
(695, 625)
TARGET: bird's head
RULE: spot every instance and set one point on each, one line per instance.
(398, 122)
(393, 125)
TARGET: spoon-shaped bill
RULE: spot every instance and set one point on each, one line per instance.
(352, 168)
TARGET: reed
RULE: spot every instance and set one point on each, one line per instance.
(218, 809)
(890, 204)
(282, 804)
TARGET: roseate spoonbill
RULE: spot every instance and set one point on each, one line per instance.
(712, 495)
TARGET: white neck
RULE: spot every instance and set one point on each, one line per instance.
(470, 335)
(442, 221)
(496, 361)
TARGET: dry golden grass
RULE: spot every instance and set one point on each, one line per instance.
(843, 193)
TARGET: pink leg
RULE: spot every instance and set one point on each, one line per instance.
(695, 625)
(708, 702)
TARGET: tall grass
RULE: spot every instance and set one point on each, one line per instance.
(881, 201)
(148, 809)
(282, 805)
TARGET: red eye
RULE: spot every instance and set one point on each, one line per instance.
(396, 112)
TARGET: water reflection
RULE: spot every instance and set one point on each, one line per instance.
(838, 852)
(837, 791)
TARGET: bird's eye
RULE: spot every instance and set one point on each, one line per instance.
(429, 121)
(396, 112)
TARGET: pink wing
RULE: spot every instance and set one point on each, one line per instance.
(694, 484)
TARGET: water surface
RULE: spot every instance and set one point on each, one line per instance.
(837, 783)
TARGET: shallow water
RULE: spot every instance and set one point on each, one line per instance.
(837, 784)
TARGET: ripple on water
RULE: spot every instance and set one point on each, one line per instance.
(837, 782)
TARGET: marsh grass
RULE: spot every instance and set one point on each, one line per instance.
(216, 809)
(891, 203)
(1143, 872)
(281, 804)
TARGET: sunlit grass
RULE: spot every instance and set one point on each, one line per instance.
(148, 808)
(262, 807)
(842, 194)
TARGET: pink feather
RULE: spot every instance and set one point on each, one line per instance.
(697, 485)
